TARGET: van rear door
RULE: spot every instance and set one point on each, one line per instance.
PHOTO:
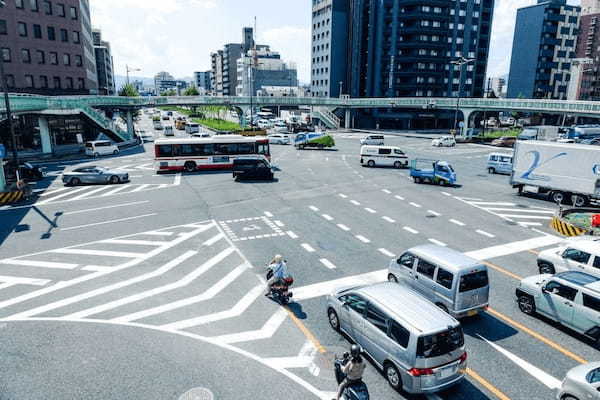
(473, 289)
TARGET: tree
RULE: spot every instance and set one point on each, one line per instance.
(191, 91)
(170, 92)
(128, 90)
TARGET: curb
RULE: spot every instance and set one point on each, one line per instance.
(10, 197)
(560, 225)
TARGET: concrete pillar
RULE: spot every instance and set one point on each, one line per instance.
(130, 126)
(45, 135)
(466, 118)
(242, 115)
(347, 117)
(2, 178)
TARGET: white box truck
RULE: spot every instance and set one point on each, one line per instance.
(542, 132)
(566, 172)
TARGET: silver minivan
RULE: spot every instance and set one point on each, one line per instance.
(499, 163)
(420, 348)
(456, 283)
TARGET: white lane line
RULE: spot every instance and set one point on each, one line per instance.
(411, 230)
(343, 227)
(99, 253)
(342, 195)
(107, 222)
(292, 235)
(307, 247)
(134, 242)
(327, 263)
(88, 193)
(185, 281)
(268, 214)
(279, 223)
(470, 199)
(484, 233)
(386, 252)
(514, 247)
(356, 203)
(116, 190)
(399, 197)
(523, 210)
(213, 240)
(17, 280)
(51, 192)
(107, 207)
(177, 180)
(40, 264)
(362, 239)
(105, 289)
(370, 210)
(327, 217)
(526, 224)
(457, 222)
(493, 203)
(386, 191)
(238, 309)
(437, 214)
(158, 233)
(267, 331)
(415, 205)
(315, 209)
(388, 219)
(524, 216)
(435, 241)
(60, 196)
(141, 187)
(446, 194)
(325, 288)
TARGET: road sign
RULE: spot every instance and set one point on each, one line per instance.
(2, 151)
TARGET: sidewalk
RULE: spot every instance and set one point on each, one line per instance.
(411, 134)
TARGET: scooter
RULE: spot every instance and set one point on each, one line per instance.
(356, 391)
(280, 289)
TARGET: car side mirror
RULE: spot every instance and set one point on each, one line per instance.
(544, 290)
(346, 303)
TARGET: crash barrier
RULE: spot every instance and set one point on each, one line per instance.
(567, 227)
(10, 197)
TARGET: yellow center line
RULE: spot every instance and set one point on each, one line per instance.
(533, 252)
(491, 388)
(309, 335)
(536, 335)
(502, 270)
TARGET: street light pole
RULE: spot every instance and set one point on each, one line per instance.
(130, 70)
(460, 62)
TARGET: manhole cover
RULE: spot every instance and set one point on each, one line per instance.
(197, 394)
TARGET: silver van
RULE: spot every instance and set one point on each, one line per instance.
(456, 283)
(499, 163)
(420, 348)
(372, 140)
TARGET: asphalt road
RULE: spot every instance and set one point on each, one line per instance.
(157, 285)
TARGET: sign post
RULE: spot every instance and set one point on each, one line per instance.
(2, 179)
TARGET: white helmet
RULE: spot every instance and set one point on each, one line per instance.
(278, 258)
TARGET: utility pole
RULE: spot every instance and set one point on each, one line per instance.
(130, 70)
(460, 62)
(487, 91)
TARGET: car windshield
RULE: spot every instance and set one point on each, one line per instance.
(440, 343)
(472, 281)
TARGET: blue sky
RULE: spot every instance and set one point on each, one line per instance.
(178, 35)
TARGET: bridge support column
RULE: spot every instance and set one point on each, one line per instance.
(45, 135)
(467, 112)
(347, 116)
(130, 126)
(242, 115)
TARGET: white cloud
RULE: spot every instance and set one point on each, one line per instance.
(293, 43)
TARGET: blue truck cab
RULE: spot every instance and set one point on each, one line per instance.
(432, 171)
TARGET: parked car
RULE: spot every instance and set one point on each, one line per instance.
(444, 141)
(252, 168)
(499, 163)
(100, 148)
(579, 253)
(570, 298)
(504, 141)
(372, 140)
(383, 156)
(27, 171)
(169, 130)
(581, 383)
(279, 138)
(419, 347)
(94, 174)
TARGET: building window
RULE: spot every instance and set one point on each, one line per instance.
(69, 83)
(48, 7)
(19, 4)
(80, 83)
(6, 54)
(64, 35)
(43, 81)
(22, 29)
(41, 57)
(73, 12)
(53, 58)
(78, 61)
(26, 56)
(76, 39)
(66, 59)
(29, 81)
(51, 33)
(56, 81)
(61, 10)
(37, 31)
(10, 81)
(34, 5)
(3, 28)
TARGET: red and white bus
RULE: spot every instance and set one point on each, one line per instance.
(216, 152)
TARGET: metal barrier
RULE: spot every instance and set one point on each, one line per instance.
(10, 197)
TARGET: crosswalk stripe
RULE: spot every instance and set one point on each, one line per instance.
(267, 331)
(527, 210)
(17, 280)
(51, 192)
(524, 216)
(116, 190)
(88, 193)
(60, 196)
(103, 253)
(492, 203)
(141, 187)
(134, 242)
(41, 264)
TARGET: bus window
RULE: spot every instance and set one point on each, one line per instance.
(165, 150)
(262, 148)
(226, 148)
(246, 148)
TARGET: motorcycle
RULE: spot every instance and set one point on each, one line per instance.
(280, 289)
(355, 391)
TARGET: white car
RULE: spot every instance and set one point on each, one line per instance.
(279, 138)
(444, 141)
(264, 124)
(579, 254)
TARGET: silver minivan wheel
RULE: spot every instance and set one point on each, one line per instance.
(371, 163)
(526, 305)
(392, 375)
(334, 321)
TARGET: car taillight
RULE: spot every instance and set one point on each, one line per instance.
(420, 371)
(463, 358)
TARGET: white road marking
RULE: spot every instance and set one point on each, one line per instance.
(435, 241)
(388, 219)
(268, 214)
(411, 230)
(279, 224)
(99, 253)
(457, 222)
(524, 210)
(267, 331)
(343, 227)
(158, 233)
(325, 288)
(88, 193)
(446, 194)
(362, 239)
(40, 264)
(526, 224)
(213, 240)
(356, 203)
(370, 210)
(343, 196)
(140, 188)
(386, 191)
(60, 196)
(484, 233)
(545, 378)
(108, 222)
(327, 217)
(177, 180)
(514, 247)
(17, 280)
(524, 216)
(399, 197)
(107, 207)
(315, 209)
(116, 190)
(494, 203)
(292, 235)
(308, 247)
(415, 205)
(51, 192)
(437, 214)
(327, 263)
(386, 252)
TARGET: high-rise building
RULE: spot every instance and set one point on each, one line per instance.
(47, 47)
(262, 67)
(104, 65)
(590, 7)
(224, 64)
(202, 81)
(585, 75)
(543, 47)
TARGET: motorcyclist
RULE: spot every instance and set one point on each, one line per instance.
(353, 369)
(279, 268)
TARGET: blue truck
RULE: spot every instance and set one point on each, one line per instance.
(432, 171)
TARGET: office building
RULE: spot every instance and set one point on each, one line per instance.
(585, 73)
(543, 48)
(164, 82)
(47, 47)
(496, 85)
(263, 67)
(224, 77)
(104, 65)
(590, 7)
(202, 82)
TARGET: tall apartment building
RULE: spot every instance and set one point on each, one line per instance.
(590, 7)
(585, 70)
(47, 47)
(543, 48)
(104, 65)
(202, 81)
(224, 77)
(262, 67)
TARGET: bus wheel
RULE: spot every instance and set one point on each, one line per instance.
(190, 166)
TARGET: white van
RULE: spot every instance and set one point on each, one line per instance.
(374, 140)
(100, 148)
(383, 156)
(191, 128)
(499, 163)
(169, 130)
(578, 253)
